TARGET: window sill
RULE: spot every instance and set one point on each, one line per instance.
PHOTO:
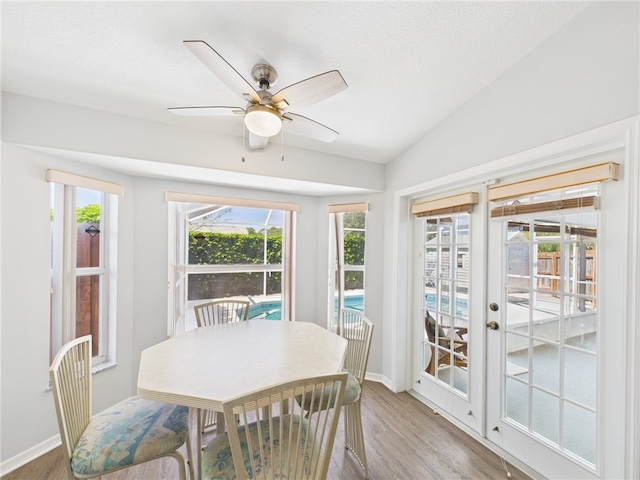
(102, 366)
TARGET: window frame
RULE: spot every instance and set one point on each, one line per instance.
(64, 269)
(337, 266)
(180, 269)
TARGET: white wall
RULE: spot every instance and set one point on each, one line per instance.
(584, 76)
(28, 414)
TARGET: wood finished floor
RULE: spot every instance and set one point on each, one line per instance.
(405, 440)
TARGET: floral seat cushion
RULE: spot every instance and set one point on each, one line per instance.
(217, 462)
(352, 393)
(131, 432)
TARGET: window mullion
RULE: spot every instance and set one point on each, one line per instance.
(69, 256)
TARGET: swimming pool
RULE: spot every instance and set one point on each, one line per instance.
(271, 310)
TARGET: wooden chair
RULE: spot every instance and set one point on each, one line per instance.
(275, 439)
(216, 313)
(221, 311)
(132, 432)
(358, 330)
(453, 346)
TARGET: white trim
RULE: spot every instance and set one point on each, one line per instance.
(230, 201)
(29, 455)
(632, 170)
(66, 178)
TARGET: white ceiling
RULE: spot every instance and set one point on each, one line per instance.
(408, 64)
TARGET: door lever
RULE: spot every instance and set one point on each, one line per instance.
(493, 325)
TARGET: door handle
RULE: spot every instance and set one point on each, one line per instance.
(493, 325)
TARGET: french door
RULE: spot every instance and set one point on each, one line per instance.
(449, 292)
(554, 336)
(519, 325)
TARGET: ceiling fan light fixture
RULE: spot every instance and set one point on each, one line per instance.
(262, 120)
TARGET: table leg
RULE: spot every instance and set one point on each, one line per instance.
(199, 414)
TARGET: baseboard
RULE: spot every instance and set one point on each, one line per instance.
(374, 377)
(30, 454)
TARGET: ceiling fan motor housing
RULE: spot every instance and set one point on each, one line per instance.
(264, 75)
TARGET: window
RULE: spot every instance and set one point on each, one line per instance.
(231, 248)
(347, 259)
(83, 261)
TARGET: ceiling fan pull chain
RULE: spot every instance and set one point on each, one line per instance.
(242, 151)
(282, 144)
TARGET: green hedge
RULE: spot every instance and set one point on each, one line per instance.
(210, 248)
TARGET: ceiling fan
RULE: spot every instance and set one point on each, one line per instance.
(265, 112)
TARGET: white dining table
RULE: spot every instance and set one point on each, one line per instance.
(207, 366)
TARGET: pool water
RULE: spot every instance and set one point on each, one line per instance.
(272, 310)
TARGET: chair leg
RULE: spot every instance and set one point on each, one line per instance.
(220, 424)
(181, 468)
(354, 435)
(190, 458)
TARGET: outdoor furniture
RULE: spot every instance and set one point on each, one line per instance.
(452, 349)
(215, 313)
(132, 432)
(275, 439)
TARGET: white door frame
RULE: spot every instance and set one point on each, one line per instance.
(623, 134)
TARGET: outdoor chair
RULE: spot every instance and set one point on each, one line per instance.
(451, 346)
(274, 439)
(132, 432)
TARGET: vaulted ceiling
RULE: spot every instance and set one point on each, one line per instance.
(408, 65)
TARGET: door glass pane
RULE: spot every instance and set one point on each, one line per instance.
(517, 311)
(545, 366)
(546, 310)
(544, 415)
(517, 402)
(517, 356)
(580, 377)
(580, 431)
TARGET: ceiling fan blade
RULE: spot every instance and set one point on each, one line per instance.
(222, 69)
(206, 111)
(309, 128)
(257, 142)
(310, 91)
